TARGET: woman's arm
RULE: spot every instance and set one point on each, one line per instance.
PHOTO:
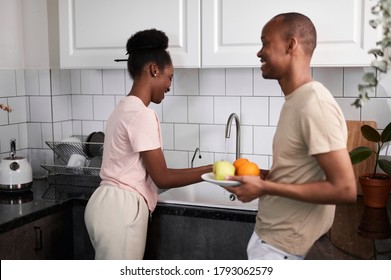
(166, 178)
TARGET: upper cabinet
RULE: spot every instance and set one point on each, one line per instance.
(93, 33)
(231, 30)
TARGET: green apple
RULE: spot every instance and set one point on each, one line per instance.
(223, 168)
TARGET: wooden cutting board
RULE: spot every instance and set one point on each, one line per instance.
(355, 139)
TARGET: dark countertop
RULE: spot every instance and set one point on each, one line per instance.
(358, 232)
(49, 195)
(45, 197)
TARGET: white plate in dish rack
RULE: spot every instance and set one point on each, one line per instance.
(210, 177)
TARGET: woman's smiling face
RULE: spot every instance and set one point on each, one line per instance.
(163, 83)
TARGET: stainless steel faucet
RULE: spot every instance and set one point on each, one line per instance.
(228, 132)
(199, 156)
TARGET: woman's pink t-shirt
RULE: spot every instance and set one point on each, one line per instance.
(131, 129)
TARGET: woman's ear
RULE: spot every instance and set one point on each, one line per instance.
(153, 69)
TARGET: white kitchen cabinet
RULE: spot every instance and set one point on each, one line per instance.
(94, 32)
(231, 30)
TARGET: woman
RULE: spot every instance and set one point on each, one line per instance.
(133, 164)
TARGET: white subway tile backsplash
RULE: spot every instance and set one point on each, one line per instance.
(186, 136)
(91, 126)
(384, 86)
(239, 82)
(352, 77)
(20, 83)
(212, 139)
(34, 131)
(246, 140)
(263, 139)
(350, 112)
(82, 107)
(276, 104)
(158, 108)
(65, 79)
(175, 109)
(378, 109)
(331, 78)
(7, 133)
(19, 113)
(194, 113)
(47, 134)
(61, 108)
(114, 82)
(206, 158)
(186, 82)
(254, 111)
(23, 136)
(56, 81)
(91, 82)
(75, 81)
(32, 82)
(200, 109)
(103, 106)
(167, 135)
(212, 82)
(7, 83)
(224, 107)
(263, 87)
(40, 109)
(44, 81)
(176, 159)
(3, 116)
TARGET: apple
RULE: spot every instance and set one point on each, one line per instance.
(222, 169)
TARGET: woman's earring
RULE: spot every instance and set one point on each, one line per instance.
(154, 74)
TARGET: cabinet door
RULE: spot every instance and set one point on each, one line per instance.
(15, 244)
(231, 30)
(94, 32)
(51, 236)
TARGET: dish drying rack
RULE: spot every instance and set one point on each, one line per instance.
(64, 150)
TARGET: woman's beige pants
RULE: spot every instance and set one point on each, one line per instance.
(117, 222)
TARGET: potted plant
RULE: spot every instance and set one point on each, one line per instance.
(375, 186)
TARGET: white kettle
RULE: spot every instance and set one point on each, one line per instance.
(15, 172)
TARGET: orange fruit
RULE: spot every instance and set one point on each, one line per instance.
(248, 168)
(239, 162)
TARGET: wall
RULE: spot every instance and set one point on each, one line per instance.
(51, 104)
(54, 104)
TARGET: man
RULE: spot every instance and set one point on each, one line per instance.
(311, 170)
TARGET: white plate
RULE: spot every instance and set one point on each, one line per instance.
(210, 177)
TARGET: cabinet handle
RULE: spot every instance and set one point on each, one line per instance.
(38, 238)
(119, 60)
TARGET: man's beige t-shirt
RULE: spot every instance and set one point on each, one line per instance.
(310, 123)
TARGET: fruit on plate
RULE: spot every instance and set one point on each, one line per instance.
(222, 169)
(239, 162)
(247, 169)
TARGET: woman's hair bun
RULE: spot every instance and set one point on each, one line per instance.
(147, 39)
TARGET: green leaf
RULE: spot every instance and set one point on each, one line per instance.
(381, 65)
(385, 165)
(359, 154)
(386, 134)
(370, 78)
(370, 133)
(376, 52)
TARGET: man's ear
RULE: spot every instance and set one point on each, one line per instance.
(292, 44)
